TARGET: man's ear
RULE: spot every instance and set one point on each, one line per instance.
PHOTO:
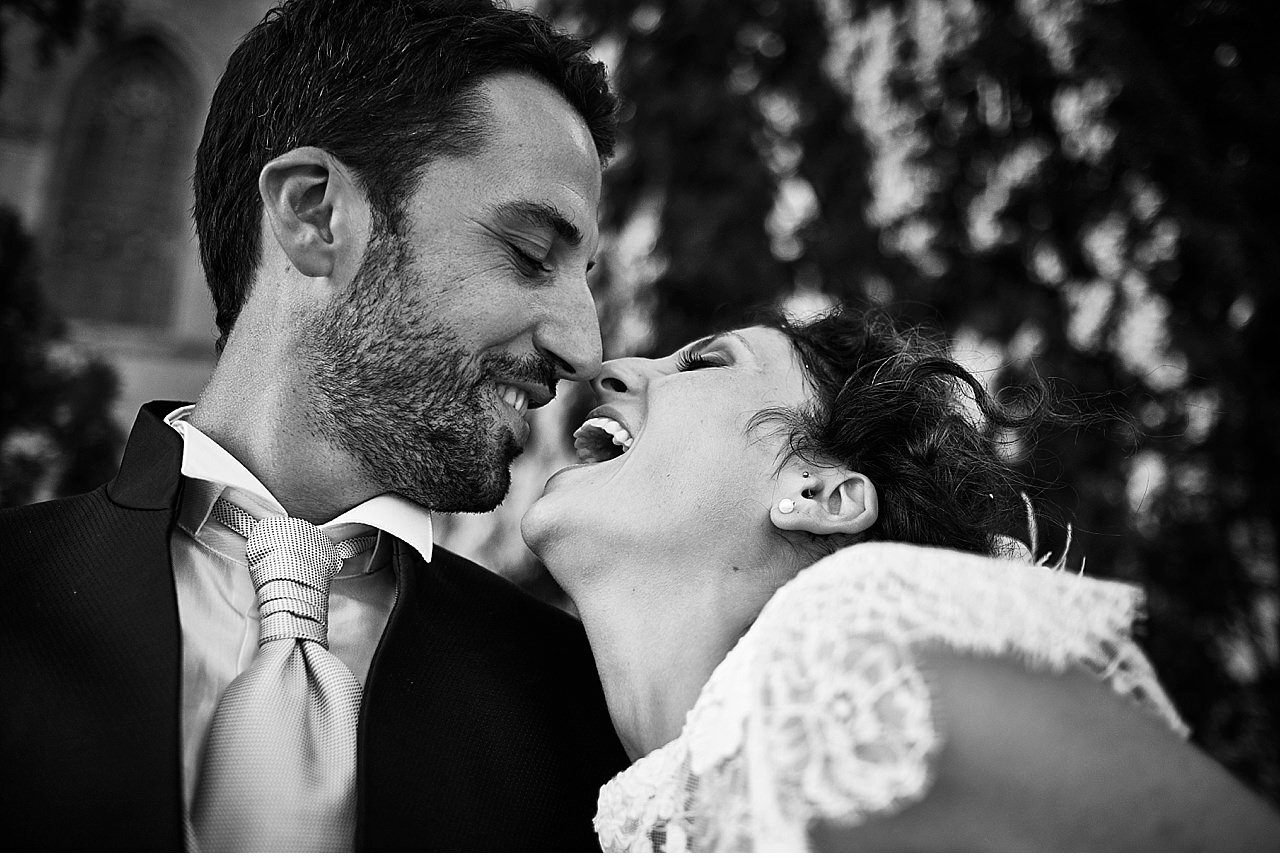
(317, 213)
(823, 500)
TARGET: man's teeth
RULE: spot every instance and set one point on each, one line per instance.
(587, 439)
(513, 396)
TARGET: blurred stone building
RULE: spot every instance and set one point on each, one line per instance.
(97, 149)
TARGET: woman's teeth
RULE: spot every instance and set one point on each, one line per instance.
(513, 396)
(589, 440)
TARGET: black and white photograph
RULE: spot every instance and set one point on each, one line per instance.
(639, 426)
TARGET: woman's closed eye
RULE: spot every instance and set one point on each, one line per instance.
(690, 360)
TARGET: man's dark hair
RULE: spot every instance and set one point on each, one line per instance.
(890, 403)
(385, 86)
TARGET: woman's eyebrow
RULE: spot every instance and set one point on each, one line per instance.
(720, 335)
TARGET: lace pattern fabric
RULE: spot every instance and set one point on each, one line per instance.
(821, 712)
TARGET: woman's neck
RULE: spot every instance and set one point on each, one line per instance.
(655, 647)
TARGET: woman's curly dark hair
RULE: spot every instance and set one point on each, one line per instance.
(890, 404)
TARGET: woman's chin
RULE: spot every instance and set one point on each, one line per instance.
(560, 540)
(547, 526)
(533, 527)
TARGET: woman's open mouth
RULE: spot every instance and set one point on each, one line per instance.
(600, 439)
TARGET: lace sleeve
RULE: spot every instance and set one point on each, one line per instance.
(844, 731)
(821, 710)
(836, 723)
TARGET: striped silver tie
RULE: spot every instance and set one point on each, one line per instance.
(279, 770)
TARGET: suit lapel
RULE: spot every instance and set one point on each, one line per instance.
(368, 762)
(105, 684)
(150, 473)
(482, 718)
(137, 586)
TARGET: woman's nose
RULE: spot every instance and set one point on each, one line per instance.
(621, 376)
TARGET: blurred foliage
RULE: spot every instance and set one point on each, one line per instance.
(1080, 190)
(56, 432)
(57, 436)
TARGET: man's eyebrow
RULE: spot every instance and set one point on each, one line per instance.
(541, 215)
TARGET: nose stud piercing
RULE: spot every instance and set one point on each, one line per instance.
(786, 505)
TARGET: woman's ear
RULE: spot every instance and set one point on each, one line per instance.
(823, 500)
(315, 210)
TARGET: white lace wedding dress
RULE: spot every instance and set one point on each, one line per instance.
(820, 712)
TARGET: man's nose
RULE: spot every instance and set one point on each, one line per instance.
(569, 335)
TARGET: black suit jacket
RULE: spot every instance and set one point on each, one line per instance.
(483, 726)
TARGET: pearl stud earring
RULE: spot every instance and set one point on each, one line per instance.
(786, 505)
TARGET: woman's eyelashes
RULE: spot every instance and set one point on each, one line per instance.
(690, 360)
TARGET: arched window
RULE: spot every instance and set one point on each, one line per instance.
(119, 227)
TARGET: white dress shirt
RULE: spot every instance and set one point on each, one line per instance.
(217, 604)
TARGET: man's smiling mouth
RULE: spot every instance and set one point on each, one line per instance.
(513, 396)
(600, 439)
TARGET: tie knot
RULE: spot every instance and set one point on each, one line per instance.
(291, 562)
(290, 549)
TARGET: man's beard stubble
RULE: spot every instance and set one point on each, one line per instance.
(395, 390)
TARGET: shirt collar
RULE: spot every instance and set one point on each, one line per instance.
(205, 460)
